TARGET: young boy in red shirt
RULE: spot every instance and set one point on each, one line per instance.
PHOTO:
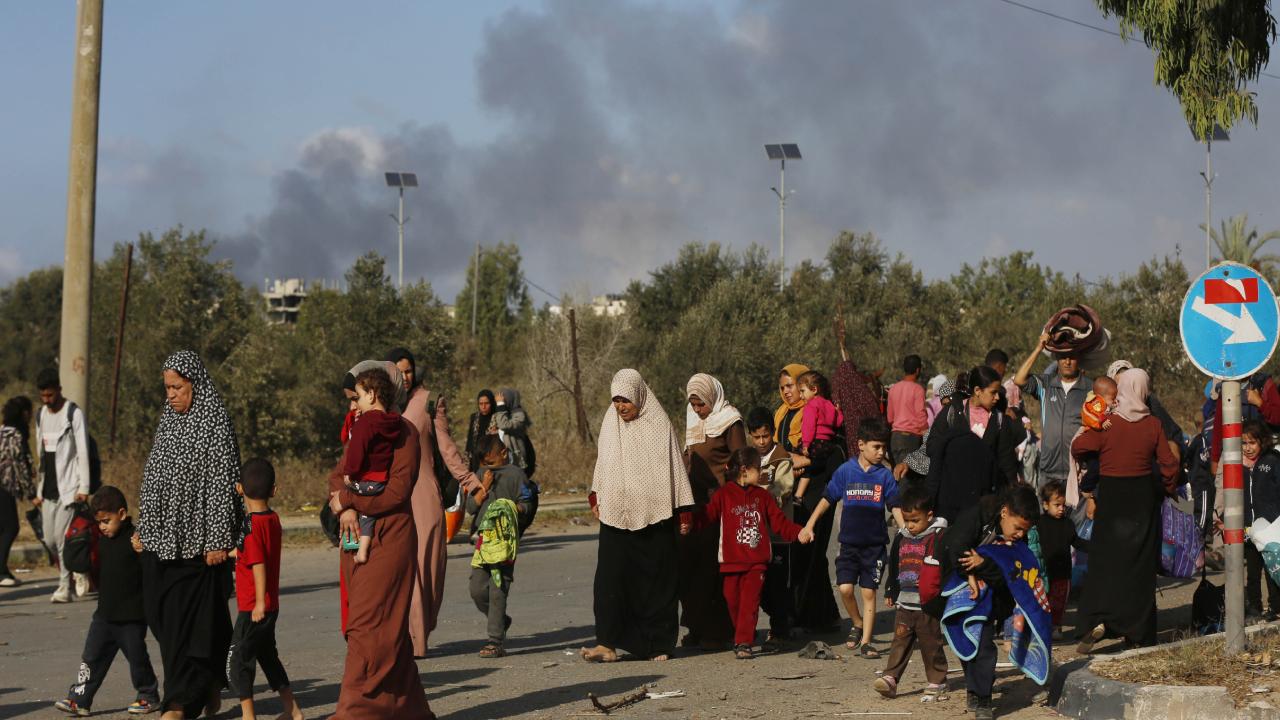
(747, 514)
(258, 594)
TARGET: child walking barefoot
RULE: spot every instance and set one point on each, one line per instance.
(369, 450)
(747, 514)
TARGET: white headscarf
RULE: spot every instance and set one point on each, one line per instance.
(722, 417)
(639, 477)
(935, 384)
(1117, 367)
(397, 380)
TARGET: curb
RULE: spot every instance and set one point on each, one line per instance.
(1079, 693)
(33, 553)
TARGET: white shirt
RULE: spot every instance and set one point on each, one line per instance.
(52, 425)
(1067, 385)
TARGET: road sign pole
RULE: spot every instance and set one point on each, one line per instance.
(1233, 518)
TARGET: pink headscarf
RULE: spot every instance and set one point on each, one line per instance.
(1134, 388)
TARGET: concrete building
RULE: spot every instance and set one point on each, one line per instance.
(611, 305)
(284, 299)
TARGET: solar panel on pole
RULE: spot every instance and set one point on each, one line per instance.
(791, 151)
(409, 179)
(393, 180)
(774, 152)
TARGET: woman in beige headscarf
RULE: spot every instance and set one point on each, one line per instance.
(713, 430)
(639, 486)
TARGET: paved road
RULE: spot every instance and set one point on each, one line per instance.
(40, 646)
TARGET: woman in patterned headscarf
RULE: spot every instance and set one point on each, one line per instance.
(189, 518)
(639, 486)
(713, 430)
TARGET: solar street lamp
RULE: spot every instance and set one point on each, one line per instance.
(1221, 136)
(401, 180)
(782, 153)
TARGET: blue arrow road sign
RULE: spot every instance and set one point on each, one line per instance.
(1229, 322)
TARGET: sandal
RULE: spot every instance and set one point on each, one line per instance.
(854, 641)
(492, 650)
(868, 652)
(742, 652)
(886, 686)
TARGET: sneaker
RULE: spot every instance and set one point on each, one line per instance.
(61, 595)
(983, 710)
(1088, 641)
(10, 582)
(970, 701)
(143, 707)
(83, 589)
(70, 707)
(886, 686)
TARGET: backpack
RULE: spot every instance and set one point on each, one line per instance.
(499, 538)
(95, 460)
(1207, 606)
(1182, 545)
(80, 546)
(444, 478)
(529, 492)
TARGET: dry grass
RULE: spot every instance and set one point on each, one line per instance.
(1205, 664)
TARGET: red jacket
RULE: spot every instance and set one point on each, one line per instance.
(746, 515)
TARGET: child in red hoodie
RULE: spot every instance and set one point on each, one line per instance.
(373, 437)
(747, 514)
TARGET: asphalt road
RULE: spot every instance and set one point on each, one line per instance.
(542, 677)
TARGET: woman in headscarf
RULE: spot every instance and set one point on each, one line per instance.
(380, 679)
(638, 487)
(16, 480)
(189, 519)
(478, 426)
(428, 502)
(713, 430)
(1120, 588)
(790, 413)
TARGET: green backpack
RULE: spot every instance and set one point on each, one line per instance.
(499, 538)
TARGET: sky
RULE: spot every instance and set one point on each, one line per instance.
(602, 135)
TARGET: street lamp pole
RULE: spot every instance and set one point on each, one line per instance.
(401, 180)
(1220, 135)
(782, 152)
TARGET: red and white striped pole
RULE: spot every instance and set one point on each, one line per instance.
(1233, 515)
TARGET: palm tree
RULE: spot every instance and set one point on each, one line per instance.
(1239, 243)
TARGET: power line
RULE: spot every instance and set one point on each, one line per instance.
(536, 286)
(1095, 28)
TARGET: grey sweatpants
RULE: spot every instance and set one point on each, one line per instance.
(56, 519)
(491, 599)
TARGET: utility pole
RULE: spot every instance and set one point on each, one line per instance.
(475, 288)
(584, 433)
(124, 307)
(82, 178)
(1208, 202)
(1233, 516)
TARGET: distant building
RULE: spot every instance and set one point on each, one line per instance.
(284, 299)
(451, 311)
(611, 305)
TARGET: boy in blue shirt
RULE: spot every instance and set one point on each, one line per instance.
(866, 487)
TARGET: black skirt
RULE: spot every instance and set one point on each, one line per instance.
(1120, 588)
(815, 604)
(635, 589)
(194, 631)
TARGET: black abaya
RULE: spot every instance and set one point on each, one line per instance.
(815, 604)
(194, 631)
(1120, 588)
(635, 590)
